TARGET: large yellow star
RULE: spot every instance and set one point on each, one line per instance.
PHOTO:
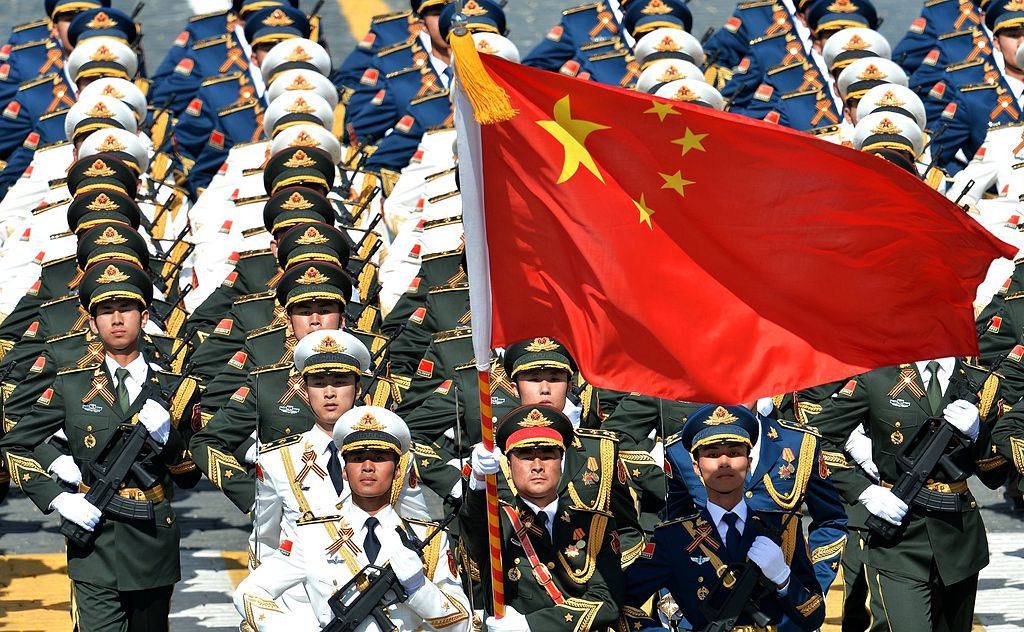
(572, 133)
(661, 109)
(690, 141)
(645, 211)
(676, 182)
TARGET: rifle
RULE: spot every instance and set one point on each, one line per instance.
(374, 588)
(137, 10)
(118, 457)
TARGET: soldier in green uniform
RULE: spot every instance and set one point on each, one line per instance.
(926, 577)
(560, 560)
(124, 578)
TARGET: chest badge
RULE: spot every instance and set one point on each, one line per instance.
(89, 441)
(92, 408)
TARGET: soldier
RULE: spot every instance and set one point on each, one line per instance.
(328, 550)
(560, 560)
(926, 577)
(725, 532)
(124, 579)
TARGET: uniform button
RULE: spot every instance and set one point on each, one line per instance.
(750, 494)
(551, 565)
(169, 520)
(288, 430)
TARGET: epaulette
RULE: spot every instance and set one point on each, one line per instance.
(255, 230)
(1014, 296)
(31, 83)
(258, 296)
(584, 7)
(754, 4)
(61, 260)
(445, 221)
(613, 41)
(244, 105)
(799, 93)
(266, 329)
(422, 523)
(964, 64)
(395, 47)
(272, 367)
(792, 425)
(50, 115)
(439, 174)
(442, 255)
(43, 209)
(249, 254)
(971, 87)
(609, 55)
(30, 25)
(280, 443)
(784, 67)
(59, 143)
(230, 76)
(212, 41)
(388, 17)
(961, 33)
(429, 97)
(465, 366)
(453, 334)
(932, 3)
(673, 438)
(251, 172)
(420, 449)
(403, 71)
(309, 518)
(597, 433)
(66, 336)
(440, 289)
(252, 199)
(32, 44)
(768, 38)
(77, 369)
(57, 301)
(204, 16)
(679, 520)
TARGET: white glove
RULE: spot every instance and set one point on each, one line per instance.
(963, 416)
(511, 622)
(485, 462)
(858, 446)
(64, 468)
(408, 568)
(884, 504)
(769, 558)
(764, 406)
(75, 508)
(251, 453)
(157, 421)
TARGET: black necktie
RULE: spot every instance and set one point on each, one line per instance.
(371, 544)
(541, 520)
(123, 400)
(934, 391)
(334, 468)
(733, 539)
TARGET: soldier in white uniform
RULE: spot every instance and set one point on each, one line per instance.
(329, 550)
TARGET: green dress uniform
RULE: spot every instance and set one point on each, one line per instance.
(926, 578)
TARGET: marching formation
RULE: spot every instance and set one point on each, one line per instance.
(249, 264)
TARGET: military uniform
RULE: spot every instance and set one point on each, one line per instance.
(579, 25)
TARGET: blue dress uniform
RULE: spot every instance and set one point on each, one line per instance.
(207, 58)
(386, 87)
(790, 470)
(385, 31)
(34, 99)
(610, 63)
(196, 124)
(199, 28)
(937, 18)
(751, 20)
(579, 25)
(27, 61)
(688, 555)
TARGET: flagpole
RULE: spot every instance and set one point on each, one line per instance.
(466, 119)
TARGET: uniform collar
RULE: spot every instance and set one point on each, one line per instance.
(137, 368)
(717, 513)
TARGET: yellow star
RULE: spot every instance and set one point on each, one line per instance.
(568, 617)
(661, 109)
(690, 141)
(676, 182)
(636, 471)
(572, 133)
(645, 211)
(228, 473)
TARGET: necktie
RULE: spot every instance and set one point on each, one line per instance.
(123, 401)
(334, 468)
(733, 539)
(542, 521)
(934, 391)
(448, 75)
(371, 544)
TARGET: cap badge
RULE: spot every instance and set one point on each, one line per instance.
(720, 416)
(110, 237)
(103, 203)
(110, 143)
(368, 422)
(329, 345)
(656, 7)
(278, 18)
(98, 169)
(296, 202)
(542, 344)
(312, 237)
(535, 419)
(102, 21)
(298, 54)
(299, 159)
(103, 54)
(312, 276)
(112, 275)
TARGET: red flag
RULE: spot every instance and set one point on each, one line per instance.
(687, 253)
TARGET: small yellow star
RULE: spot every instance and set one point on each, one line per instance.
(228, 474)
(26, 478)
(568, 617)
(661, 109)
(636, 471)
(425, 462)
(645, 211)
(690, 141)
(637, 626)
(676, 182)
(572, 134)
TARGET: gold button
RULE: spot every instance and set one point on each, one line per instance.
(288, 430)
(169, 520)
(750, 494)
(89, 428)
(551, 565)
(516, 561)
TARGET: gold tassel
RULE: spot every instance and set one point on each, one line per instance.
(491, 103)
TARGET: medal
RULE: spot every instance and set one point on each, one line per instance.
(702, 593)
(896, 437)
(572, 551)
(786, 471)
(89, 441)
(514, 574)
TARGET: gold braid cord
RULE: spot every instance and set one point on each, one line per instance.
(803, 474)
(586, 612)
(598, 524)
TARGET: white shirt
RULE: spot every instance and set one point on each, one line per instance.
(1016, 86)
(717, 513)
(254, 72)
(439, 65)
(385, 516)
(945, 371)
(550, 510)
(617, 12)
(137, 370)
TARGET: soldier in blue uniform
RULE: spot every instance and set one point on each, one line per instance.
(580, 25)
(937, 18)
(689, 554)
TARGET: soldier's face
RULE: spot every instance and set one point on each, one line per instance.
(432, 21)
(370, 472)
(536, 472)
(118, 323)
(1006, 42)
(723, 466)
(259, 52)
(331, 395)
(543, 386)
(308, 316)
(59, 30)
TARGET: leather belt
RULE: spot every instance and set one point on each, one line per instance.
(959, 487)
(154, 494)
(943, 497)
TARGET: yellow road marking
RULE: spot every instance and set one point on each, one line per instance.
(358, 13)
(35, 593)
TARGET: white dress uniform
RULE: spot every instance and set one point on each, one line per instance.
(328, 551)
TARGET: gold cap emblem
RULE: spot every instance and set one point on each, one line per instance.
(368, 422)
(299, 159)
(473, 9)
(102, 54)
(671, 74)
(299, 106)
(720, 416)
(102, 21)
(542, 344)
(535, 419)
(303, 139)
(110, 237)
(300, 83)
(889, 99)
(98, 169)
(311, 237)
(110, 143)
(278, 18)
(656, 7)
(111, 91)
(843, 6)
(329, 345)
(103, 203)
(667, 43)
(296, 202)
(886, 126)
(112, 275)
(312, 276)
(100, 110)
(855, 43)
(685, 94)
(483, 46)
(298, 54)
(872, 73)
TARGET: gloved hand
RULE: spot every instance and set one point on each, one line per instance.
(511, 622)
(769, 558)
(485, 462)
(157, 420)
(408, 568)
(964, 416)
(64, 468)
(884, 504)
(858, 446)
(251, 454)
(75, 508)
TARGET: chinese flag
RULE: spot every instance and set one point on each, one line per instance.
(686, 253)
